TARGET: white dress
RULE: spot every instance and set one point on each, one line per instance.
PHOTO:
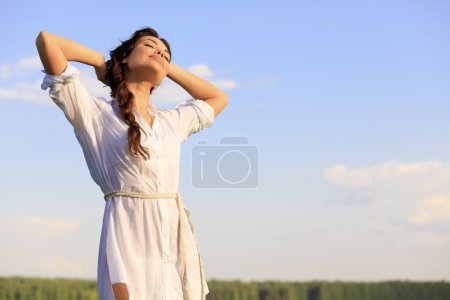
(138, 243)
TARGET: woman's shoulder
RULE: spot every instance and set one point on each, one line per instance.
(166, 114)
(102, 102)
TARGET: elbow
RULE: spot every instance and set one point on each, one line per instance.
(223, 95)
(225, 99)
(41, 38)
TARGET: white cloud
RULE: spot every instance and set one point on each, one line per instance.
(18, 85)
(43, 227)
(25, 91)
(201, 70)
(403, 197)
(426, 174)
(224, 84)
(23, 66)
(433, 209)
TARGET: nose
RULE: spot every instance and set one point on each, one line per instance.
(159, 52)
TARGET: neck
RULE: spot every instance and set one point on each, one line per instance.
(140, 89)
(141, 94)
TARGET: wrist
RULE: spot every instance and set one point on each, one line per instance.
(172, 70)
(101, 61)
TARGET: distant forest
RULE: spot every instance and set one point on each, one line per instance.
(29, 288)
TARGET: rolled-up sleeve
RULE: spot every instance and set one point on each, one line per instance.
(71, 96)
(193, 116)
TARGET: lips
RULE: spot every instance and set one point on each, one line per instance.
(157, 57)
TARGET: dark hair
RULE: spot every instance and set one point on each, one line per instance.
(115, 79)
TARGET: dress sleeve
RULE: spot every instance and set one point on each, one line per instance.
(71, 97)
(194, 115)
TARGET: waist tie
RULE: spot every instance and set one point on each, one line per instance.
(187, 290)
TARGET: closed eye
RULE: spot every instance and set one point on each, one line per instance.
(153, 47)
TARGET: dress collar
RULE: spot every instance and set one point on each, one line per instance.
(151, 108)
(152, 111)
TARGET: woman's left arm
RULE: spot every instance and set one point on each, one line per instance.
(199, 88)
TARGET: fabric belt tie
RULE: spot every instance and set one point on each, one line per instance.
(187, 290)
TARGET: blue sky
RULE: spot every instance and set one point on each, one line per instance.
(347, 104)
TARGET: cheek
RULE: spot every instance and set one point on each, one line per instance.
(137, 59)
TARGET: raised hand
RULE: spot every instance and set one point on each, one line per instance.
(100, 71)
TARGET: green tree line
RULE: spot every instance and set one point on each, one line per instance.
(31, 288)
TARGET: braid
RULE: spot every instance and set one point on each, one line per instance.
(115, 79)
(125, 100)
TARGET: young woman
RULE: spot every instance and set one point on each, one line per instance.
(148, 247)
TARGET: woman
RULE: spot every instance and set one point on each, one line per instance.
(148, 247)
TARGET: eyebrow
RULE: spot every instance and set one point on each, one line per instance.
(157, 45)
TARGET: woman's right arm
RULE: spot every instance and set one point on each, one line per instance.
(66, 90)
(55, 51)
